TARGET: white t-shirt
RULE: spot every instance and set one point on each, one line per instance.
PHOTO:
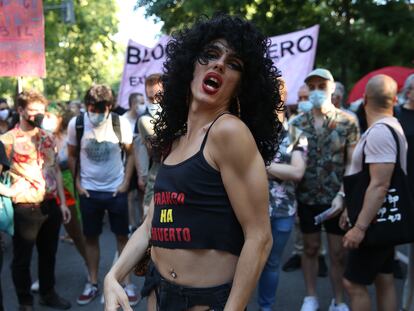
(101, 166)
(380, 145)
(132, 121)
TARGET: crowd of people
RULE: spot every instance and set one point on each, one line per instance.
(205, 170)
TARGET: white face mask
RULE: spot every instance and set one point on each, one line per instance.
(153, 109)
(304, 106)
(318, 98)
(49, 125)
(140, 109)
(97, 118)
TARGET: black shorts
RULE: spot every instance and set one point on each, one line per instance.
(307, 215)
(364, 264)
(93, 210)
(173, 297)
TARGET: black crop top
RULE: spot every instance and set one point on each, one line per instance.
(192, 209)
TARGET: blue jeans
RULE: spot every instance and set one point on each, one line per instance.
(281, 228)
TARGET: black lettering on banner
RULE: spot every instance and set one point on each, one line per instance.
(146, 59)
(133, 55)
(305, 44)
(286, 46)
(272, 52)
(161, 54)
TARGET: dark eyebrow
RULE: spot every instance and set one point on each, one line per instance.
(216, 47)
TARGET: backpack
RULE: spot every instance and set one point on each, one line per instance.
(6, 207)
(80, 127)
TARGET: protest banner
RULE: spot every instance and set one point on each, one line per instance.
(292, 53)
(22, 50)
(140, 62)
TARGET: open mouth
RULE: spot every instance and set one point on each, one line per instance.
(212, 83)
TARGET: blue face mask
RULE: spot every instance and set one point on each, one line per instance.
(304, 106)
(153, 109)
(96, 118)
(318, 98)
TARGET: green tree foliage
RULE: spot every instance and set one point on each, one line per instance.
(83, 52)
(77, 54)
(355, 36)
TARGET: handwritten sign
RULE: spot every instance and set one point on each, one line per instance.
(22, 50)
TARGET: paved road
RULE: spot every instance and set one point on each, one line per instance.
(70, 275)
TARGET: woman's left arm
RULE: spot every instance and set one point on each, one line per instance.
(234, 151)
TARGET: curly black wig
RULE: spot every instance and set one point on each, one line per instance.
(259, 93)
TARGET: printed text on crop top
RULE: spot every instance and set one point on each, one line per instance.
(192, 209)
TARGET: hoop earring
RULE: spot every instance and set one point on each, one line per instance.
(238, 111)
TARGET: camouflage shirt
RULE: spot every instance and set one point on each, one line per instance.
(327, 148)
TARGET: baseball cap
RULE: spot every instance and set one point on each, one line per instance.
(320, 72)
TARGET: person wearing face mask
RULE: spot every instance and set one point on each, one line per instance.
(137, 108)
(101, 178)
(294, 262)
(304, 105)
(4, 116)
(36, 182)
(332, 135)
(147, 171)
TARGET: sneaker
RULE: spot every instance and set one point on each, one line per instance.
(310, 303)
(132, 296)
(53, 300)
(89, 293)
(293, 263)
(35, 287)
(323, 268)
(338, 307)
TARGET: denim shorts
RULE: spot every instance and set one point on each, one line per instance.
(93, 210)
(174, 297)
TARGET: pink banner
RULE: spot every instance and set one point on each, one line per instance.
(22, 49)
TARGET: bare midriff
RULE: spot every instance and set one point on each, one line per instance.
(195, 267)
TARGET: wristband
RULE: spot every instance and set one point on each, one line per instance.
(361, 227)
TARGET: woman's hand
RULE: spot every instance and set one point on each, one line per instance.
(115, 296)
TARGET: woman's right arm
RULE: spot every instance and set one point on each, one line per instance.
(293, 171)
(115, 296)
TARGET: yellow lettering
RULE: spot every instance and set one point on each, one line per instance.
(169, 216)
(163, 217)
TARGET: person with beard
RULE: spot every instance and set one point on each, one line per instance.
(36, 181)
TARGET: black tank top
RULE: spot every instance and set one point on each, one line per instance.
(192, 209)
